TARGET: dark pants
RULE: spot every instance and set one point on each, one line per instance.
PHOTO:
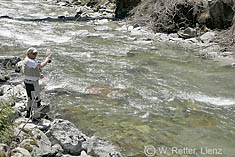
(34, 101)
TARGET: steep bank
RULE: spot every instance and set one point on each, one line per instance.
(171, 16)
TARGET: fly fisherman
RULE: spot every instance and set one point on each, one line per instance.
(31, 69)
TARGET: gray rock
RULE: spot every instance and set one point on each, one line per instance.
(20, 152)
(57, 149)
(65, 133)
(187, 33)
(17, 91)
(95, 146)
(207, 37)
(39, 143)
(20, 106)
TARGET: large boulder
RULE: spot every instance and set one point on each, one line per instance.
(221, 13)
(38, 145)
(65, 134)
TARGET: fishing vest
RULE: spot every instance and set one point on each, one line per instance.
(28, 71)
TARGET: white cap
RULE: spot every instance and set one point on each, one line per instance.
(32, 50)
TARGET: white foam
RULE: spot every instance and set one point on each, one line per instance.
(219, 101)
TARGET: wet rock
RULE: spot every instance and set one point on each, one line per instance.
(95, 146)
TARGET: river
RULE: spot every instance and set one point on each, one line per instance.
(134, 94)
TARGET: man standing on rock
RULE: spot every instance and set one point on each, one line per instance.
(31, 69)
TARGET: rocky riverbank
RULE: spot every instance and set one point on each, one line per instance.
(48, 137)
(202, 41)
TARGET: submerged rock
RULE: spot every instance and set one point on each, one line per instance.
(102, 90)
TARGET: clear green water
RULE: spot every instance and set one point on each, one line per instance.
(161, 96)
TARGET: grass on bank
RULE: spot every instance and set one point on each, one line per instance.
(6, 125)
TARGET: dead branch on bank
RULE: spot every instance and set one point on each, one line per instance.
(168, 15)
(226, 39)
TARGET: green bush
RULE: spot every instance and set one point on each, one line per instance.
(6, 125)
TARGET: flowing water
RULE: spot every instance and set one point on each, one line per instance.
(131, 93)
